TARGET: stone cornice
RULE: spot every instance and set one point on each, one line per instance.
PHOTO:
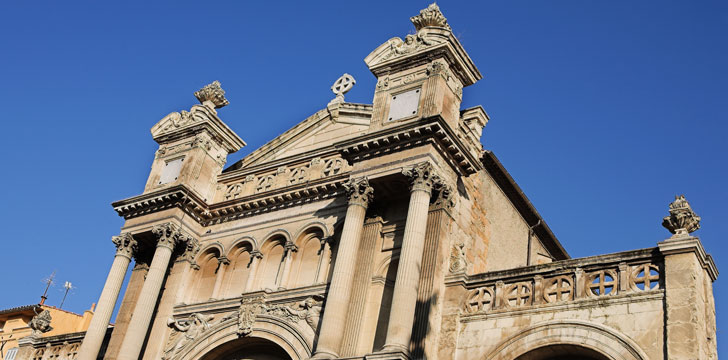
(687, 244)
(432, 130)
(181, 197)
(178, 196)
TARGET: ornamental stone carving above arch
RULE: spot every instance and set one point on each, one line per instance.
(602, 339)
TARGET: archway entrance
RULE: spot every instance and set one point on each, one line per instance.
(562, 352)
(247, 349)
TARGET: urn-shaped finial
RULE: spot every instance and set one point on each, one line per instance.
(212, 93)
(430, 17)
(682, 220)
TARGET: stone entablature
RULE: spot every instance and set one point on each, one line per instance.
(621, 275)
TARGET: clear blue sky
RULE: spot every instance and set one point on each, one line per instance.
(601, 111)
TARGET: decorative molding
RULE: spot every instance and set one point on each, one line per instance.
(212, 93)
(359, 192)
(682, 219)
(185, 331)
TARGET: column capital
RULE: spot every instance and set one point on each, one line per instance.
(290, 246)
(359, 191)
(422, 177)
(125, 245)
(223, 260)
(256, 254)
(444, 196)
(191, 249)
(169, 235)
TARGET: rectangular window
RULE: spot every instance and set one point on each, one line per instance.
(10, 355)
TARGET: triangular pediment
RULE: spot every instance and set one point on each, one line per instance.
(317, 133)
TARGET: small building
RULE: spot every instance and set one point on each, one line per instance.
(15, 324)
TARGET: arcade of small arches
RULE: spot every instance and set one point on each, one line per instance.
(279, 262)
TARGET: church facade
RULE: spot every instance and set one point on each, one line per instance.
(379, 231)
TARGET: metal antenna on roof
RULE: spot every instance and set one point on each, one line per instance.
(49, 282)
(66, 286)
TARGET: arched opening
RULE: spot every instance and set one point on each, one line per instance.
(208, 263)
(247, 349)
(238, 271)
(383, 287)
(271, 268)
(308, 260)
(562, 352)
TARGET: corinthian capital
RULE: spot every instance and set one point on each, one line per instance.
(445, 197)
(125, 245)
(422, 177)
(212, 93)
(359, 191)
(168, 235)
(191, 249)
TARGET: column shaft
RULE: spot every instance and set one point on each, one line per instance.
(339, 294)
(255, 257)
(219, 277)
(402, 312)
(100, 321)
(144, 309)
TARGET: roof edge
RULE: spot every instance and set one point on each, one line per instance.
(523, 205)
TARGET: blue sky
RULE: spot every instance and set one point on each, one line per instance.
(601, 111)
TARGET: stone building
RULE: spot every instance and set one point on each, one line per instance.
(380, 231)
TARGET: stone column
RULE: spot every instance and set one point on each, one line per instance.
(255, 257)
(404, 298)
(324, 261)
(290, 249)
(167, 237)
(223, 262)
(125, 249)
(339, 294)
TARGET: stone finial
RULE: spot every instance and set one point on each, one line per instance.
(682, 220)
(341, 86)
(212, 93)
(430, 17)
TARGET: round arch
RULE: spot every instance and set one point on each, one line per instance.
(605, 341)
(245, 242)
(270, 329)
(312, 226)
(276, 235)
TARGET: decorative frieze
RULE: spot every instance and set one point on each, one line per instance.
(566, 286)
(284, 177)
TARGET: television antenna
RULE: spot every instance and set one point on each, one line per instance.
(68, 286)
(49, 282)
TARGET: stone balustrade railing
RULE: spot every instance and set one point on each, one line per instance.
(598, 277)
